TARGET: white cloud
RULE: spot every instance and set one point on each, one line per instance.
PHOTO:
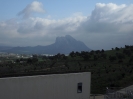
(112, 13)
(109, 25)
(110, 18)
(34, 25)
(31, 8)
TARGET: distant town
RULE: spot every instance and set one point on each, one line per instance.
(11, 57)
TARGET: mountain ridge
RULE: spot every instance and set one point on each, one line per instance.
(63, 45)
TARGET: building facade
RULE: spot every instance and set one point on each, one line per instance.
(53, 86)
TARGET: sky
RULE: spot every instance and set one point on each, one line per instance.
(100, 24)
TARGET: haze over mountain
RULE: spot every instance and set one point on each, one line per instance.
(63, 45)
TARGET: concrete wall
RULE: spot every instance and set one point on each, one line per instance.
(54, 86)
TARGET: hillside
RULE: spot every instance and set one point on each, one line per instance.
(112, 68)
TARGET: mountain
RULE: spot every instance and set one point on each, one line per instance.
(63, 45)
(2, 47)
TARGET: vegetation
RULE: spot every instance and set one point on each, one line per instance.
(111, 68)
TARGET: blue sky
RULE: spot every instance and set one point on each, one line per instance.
(98, 23)
(56, 8)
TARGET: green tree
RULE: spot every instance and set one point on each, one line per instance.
(112, 58)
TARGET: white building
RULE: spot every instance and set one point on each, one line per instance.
(53, 86)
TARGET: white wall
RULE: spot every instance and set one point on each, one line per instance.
(54, 86)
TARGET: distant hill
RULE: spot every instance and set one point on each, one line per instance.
(63, 45)
(5, 47)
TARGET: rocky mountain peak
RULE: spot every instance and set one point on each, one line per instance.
(66, 39)
(63, 45)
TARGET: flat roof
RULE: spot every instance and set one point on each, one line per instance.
(37, 73)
